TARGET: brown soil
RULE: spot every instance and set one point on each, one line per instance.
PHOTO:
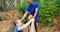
(8, 24)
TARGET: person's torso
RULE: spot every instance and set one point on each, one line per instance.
(16, 29)
(32, 9)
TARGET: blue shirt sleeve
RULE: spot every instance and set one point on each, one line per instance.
(37, 5)
(16, 29)
(27, 8)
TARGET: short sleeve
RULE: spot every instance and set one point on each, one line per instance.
(16, 29)
(27, 8)
(37, 5)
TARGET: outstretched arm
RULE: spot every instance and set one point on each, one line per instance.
(24, 15)
(25, 25)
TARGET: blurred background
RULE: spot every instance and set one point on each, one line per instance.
(10, 10)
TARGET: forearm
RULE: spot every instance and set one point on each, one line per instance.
(24, 16)
(36, 11)
(27, 24)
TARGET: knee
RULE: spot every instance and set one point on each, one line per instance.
(37, 24)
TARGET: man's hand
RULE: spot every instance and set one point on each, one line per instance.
(33, 18)
(30, 17)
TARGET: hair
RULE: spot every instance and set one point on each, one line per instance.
(14, 23)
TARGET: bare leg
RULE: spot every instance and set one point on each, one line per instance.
(29, 17)
(37, 26)
(29, 29)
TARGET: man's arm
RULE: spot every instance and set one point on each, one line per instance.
(25, 25)
(36, 11)
(24, 15)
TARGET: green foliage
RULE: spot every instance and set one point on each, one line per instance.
(57, 7)
(21, 9)
(0, 19)
(48, 10)
(36, 1)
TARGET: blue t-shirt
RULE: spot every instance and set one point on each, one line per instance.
(32, 8)
(16, 29)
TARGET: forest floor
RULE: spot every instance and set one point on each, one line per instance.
(46, 29)
(14, 14)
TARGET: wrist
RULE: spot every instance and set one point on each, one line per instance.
(34, 17)
(21, 19)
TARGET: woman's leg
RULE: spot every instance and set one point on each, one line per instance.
(29, 17)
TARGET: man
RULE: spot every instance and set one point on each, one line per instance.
(33, 9)
(20, 26)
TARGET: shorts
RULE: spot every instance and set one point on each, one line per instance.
(37, 19)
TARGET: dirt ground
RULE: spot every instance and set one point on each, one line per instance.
(45, 29)
(13, 15)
